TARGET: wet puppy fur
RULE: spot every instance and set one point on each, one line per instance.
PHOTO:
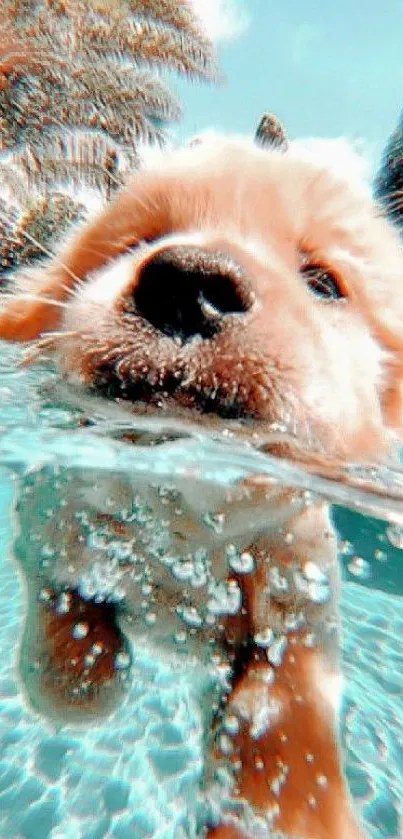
(258, 289)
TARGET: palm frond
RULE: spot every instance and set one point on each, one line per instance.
(78, 158)
(80, 87)
(42, 224)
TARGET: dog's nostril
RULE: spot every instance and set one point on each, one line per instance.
(185, 292)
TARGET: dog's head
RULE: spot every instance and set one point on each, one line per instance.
(237, 282)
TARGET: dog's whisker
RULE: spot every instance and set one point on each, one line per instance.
(34, 353)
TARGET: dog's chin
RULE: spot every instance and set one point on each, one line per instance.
(173, 399)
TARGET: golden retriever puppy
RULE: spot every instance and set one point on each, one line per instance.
(257, 289)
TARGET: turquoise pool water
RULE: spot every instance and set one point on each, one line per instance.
(137, 774)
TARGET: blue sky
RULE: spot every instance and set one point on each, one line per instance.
(325, 68)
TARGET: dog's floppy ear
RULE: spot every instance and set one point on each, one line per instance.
(270, 133)
(388, 190)
(35, 304)
(393, 395)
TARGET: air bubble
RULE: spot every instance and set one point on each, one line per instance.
(313, 573)
(278, 584)
(394, 534)
(264, 638)
(150, 618)
(47, 552)
(215, 521)
(231, 724)
(272, 813)
(310, 640)
(321, 780)
(294, 621)
(45, 595)
(80, 631)
(180, 637)
(89, 660)
(225, 598)
(359, 567)
(182, 570)
(318, 593)
(276, 651)
(122, 661)
(97, 648)
(63, 604)
(240, 563)
(346, 548)
(225, 744)
(190, 616)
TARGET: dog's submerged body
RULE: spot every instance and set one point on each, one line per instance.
(260, 288)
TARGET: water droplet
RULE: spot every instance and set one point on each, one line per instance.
(259, 763)
(80, 631)
(381, 556)
(312, 801)
(321, 780)
(150, 618)
(309, 757)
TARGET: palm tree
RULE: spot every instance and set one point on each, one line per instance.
(80, 87)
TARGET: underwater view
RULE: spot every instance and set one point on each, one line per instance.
(201, 419)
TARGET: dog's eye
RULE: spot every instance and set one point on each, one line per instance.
(322, 282)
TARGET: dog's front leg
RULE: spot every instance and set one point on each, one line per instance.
(279, 729)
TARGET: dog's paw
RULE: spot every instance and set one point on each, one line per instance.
(75, 661)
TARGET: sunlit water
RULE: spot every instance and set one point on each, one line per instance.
(137, 774)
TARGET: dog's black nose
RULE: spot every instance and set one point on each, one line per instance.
(185, 291)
